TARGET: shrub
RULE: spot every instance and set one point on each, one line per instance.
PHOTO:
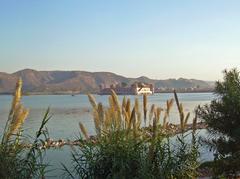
(123, 149)
(19, 160)
(223, 119)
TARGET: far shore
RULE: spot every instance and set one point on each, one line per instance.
(73, 94)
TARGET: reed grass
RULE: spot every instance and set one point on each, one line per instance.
(183, 120)
(122, 148)
(124, 117)
(17, 115)
(145, 107)
(92, 101)
(17, 161)
(84, 130)
(125, 149)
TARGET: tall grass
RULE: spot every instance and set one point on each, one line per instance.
(18, 159)
(125, 149)
(122, 148)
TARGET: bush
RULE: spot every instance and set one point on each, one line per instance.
(223, 119)
(18, 159)
(122, 149)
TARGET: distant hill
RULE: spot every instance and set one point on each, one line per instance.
(50, 82)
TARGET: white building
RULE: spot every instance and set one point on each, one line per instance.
(144, 90)
(135, 89)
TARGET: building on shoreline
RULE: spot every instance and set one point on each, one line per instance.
(134, 89)
(184, 90)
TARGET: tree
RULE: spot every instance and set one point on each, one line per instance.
(124, 84)
(223, 119)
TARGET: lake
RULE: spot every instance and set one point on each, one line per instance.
(67, 111)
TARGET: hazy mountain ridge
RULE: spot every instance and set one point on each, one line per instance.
(82, 81)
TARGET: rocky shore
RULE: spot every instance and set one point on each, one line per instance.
(172, 129)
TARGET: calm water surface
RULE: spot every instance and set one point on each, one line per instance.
(69, 110)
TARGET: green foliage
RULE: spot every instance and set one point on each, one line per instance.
(223, 119)
(20, 161)
(173, 158)
(125, 150)
(124, 84)
(117, 157)
(10, 161)
(114, 158)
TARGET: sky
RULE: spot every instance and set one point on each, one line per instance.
(155, 38)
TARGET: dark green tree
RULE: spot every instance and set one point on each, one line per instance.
(222, 116)
(124, 84)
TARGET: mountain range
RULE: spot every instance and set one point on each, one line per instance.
(50, 82)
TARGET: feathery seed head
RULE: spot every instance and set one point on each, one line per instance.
(83, 130)
(92, 100)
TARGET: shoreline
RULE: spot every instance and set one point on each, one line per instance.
(172, 130)
(74, 94)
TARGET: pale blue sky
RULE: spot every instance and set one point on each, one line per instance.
(154, 38)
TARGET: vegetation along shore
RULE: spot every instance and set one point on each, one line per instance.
(133, 140)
